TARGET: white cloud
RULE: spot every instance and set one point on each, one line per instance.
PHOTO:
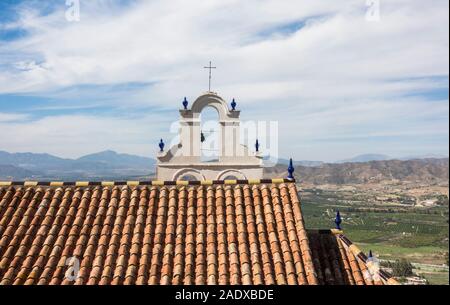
(12, 117)
(327, 79)
(170, 41)
(74, 135)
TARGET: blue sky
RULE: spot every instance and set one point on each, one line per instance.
(338, 84)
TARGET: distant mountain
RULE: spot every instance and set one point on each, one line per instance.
(13, 172)
(301, 162)
(112, 165)
(107, 164)
(381, 157)
(427, 156)
(31, 160)
(424, 170)
(114, 159)
(366, 158)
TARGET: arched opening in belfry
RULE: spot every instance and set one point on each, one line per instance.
(188, 174)
(231, 174)
(188, 177)
(210, 135)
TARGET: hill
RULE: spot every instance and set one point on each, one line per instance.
(301, 162)
(13, 172)
(365, 158)
(107, 164)
(113, 159)
(425, 171)
(113, 165)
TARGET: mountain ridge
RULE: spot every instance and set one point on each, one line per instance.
(112, 165)
(382, 157)
(417, 170)
(365, 158)
(102, 164)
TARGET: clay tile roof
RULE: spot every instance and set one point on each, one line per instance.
(338, 261)
(169, 233)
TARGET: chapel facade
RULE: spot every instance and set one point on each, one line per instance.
(183, 160)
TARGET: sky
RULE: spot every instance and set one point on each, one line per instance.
(341, 78)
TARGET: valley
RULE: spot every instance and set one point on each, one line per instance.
(390, 219)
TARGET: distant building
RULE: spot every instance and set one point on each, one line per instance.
(415, 280)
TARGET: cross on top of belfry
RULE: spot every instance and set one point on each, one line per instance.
(210, 68)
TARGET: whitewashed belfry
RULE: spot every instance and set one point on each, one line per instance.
(183, 161)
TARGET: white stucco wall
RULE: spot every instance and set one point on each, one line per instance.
(185, 158)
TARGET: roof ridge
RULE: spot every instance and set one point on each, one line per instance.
(325, 231)
(145, 183)
(361, 256)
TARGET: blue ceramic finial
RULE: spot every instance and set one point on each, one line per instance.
(370, 254)
(291, 170)
(233, 105)
(338, 220)
(161, 145)
(185, 103)
(257, 145)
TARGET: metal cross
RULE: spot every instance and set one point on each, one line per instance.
(210, 68)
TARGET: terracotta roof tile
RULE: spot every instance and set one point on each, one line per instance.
(216, 234)
(338, 262)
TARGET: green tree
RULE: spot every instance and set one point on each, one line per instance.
(442, 199)
(402, 268)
